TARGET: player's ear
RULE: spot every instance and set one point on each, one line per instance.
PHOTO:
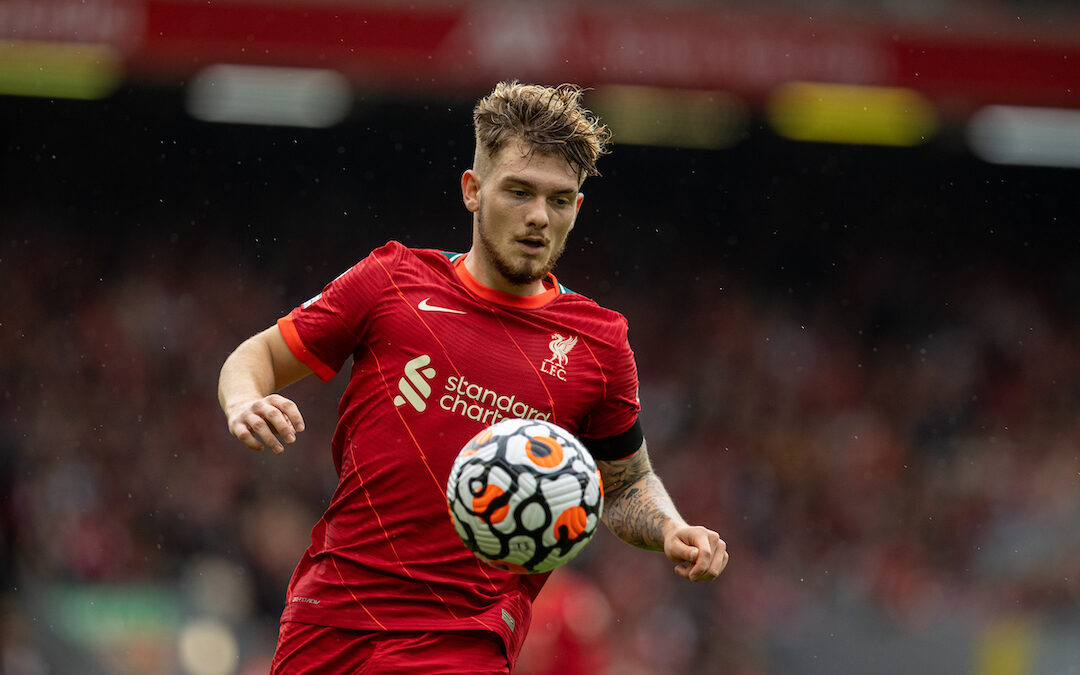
(470, 189)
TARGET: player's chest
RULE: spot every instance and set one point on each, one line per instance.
(442, 350)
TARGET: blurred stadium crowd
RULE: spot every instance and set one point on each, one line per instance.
(859, 365)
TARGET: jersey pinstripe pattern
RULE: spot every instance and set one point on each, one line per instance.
(436, 357)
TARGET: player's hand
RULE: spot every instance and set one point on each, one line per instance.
(267, 422)
(699, 553)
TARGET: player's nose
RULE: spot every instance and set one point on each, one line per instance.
(537, 216)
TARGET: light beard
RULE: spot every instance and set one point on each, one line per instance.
(521, 274)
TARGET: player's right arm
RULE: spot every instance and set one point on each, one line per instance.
(260, 366)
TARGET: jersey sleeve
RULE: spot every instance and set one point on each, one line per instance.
(612, 430)
(324, 331)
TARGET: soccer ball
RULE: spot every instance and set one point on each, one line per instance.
(525, 496)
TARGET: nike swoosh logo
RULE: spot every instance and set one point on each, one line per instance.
(423, 306)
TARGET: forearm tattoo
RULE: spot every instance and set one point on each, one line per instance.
(636, 505)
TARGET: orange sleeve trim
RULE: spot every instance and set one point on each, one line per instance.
(300, 350)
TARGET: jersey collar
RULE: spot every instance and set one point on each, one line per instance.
(551, 284)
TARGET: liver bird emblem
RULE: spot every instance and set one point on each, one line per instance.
(560, 348)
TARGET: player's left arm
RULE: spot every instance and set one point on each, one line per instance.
(638, 509)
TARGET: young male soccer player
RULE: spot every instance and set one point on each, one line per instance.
(442, 346)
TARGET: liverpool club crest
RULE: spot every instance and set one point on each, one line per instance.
(560, 355)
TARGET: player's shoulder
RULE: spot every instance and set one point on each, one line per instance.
(581, 309)
(396, 253)
(391, 250)
(433, 257)
(580, 302)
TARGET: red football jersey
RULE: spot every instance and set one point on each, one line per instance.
(436, 358)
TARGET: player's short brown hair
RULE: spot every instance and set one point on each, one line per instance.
(551, 120)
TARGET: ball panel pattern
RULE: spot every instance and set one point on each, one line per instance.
(525, 496)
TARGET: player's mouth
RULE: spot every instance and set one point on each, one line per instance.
(532, 245)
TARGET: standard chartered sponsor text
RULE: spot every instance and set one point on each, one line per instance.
(485, 405)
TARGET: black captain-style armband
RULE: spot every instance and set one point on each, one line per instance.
(616, 447)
